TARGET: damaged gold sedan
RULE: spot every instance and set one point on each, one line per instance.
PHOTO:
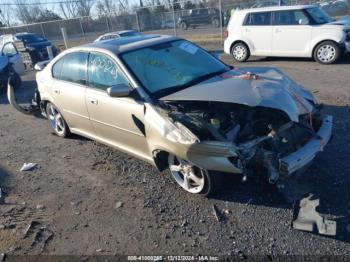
(172, 104)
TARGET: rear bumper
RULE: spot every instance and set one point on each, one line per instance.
(227, 46)
(307, 153)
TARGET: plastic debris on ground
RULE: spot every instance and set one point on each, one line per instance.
(28, 166)
(307, 218)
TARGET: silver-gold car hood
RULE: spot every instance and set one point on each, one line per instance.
(272, 89)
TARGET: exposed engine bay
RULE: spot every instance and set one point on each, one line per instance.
(264, 135)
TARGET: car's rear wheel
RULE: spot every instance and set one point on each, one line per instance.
(184, 26)
(240, 52)
(192, 178)
(327, 52)
(58, 124)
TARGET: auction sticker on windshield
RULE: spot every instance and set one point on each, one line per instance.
(188, 47)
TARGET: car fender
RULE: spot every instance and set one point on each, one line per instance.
(241, 39)
(338, 38)
(12, 100)
(209, 155)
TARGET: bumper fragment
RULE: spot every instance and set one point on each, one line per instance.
(347, 47)
(303, 156)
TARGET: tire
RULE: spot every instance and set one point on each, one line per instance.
(216, 22)
(57, 123)
(327, 52)
(240, 52)
(194, 179)
(184, 26)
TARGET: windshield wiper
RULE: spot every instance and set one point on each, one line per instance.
(194, 81)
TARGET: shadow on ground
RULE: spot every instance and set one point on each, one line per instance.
(344, 60)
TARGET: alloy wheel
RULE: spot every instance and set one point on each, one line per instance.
(326, 53)
(189, 177)
(56, 120)
(239, 52)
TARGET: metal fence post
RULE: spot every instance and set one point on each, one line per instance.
(107, 24)
(82, 29)
(64, 35)
(42, 29)
(221, 22)
(137, 21)
(174, 19)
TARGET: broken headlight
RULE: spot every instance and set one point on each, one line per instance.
(181, 134)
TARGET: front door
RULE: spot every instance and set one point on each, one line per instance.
(291, 33)
(117, 121)
(257, 30)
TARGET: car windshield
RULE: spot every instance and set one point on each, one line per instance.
(169, 67)
(31, 38)
(319, 16)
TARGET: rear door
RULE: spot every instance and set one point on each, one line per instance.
(69, 87)
(291, 33)
(257, 30)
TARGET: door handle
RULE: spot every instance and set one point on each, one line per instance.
(56, 91)
(93, 101)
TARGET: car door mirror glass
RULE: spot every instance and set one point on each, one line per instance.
(41, 65)
(9, 50)
(120, 90)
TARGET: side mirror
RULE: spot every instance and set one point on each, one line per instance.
(120, 90)
(303, 22)
(41, 65)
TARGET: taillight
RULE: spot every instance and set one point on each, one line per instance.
(226, 33)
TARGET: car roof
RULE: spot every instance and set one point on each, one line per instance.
(126, 44)
(276, 8)
(24, 33)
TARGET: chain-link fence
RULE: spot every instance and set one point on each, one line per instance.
(202, 23)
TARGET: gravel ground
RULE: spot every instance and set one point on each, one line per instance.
(84, 198)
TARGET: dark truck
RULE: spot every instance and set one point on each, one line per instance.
(197, 17)
(35, 45)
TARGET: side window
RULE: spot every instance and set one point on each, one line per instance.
(73, 68)
(103, 72)
(9, 49)
(293, 17)
(258, 19)
(301, 17)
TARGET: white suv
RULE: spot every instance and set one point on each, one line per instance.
(287, 31)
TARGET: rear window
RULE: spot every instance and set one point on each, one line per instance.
(258, 19)
(71, 67)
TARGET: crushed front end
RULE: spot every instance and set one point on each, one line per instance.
(251, 140)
